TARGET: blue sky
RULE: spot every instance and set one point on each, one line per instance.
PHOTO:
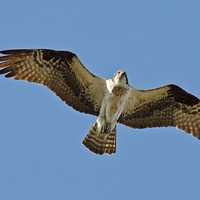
(41, 156)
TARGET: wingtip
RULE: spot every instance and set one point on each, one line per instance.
(5, 52)
(14, 51)
(4, 70)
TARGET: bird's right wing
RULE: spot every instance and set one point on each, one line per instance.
(60, 71)
(166, 106)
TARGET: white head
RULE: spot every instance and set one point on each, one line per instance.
(120, 77)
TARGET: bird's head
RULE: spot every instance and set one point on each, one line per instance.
(120, 77)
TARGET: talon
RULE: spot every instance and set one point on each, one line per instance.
(107, 128)
(95, 126)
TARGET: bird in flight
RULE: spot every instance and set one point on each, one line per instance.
(113, 100)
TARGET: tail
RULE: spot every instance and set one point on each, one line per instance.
(100, 143)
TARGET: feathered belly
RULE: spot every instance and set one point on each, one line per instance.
(114, 108)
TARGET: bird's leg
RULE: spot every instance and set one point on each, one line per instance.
(103, 126)
(106, 128)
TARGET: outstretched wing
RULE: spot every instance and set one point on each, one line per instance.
(165, 106)
(60, 71)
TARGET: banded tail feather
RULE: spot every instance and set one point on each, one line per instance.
(100, 143)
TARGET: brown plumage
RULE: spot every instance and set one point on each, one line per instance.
(63, 73)
(60, 71)
(100, 143)
(166, 106)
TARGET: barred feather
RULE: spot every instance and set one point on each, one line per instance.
(100, 143)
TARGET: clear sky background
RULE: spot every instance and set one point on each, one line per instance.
(41, 156)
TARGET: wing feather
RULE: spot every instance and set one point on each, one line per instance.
(169, 105)
(60, 71)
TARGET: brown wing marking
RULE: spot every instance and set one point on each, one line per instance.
(166, 106)
(60, 71)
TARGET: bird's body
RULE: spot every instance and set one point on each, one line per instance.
(113, 104)
(113, 101)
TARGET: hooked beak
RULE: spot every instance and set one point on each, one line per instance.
(124, 75)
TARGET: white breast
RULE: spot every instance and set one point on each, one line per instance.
(109, 85)
(113, 105)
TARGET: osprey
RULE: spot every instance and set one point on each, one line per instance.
(113, 101)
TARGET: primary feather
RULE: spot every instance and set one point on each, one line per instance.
(112, 100)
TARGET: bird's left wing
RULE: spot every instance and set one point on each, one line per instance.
(166, 106)
(60, 71)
